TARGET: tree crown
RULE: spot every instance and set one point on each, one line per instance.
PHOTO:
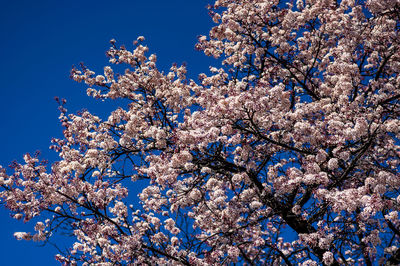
(286, 153)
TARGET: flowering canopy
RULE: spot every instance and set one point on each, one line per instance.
(287, 153)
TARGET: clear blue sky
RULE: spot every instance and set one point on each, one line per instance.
(41, 40)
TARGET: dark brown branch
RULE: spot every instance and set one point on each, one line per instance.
(395, 97)
(352, 164)
(184, 262)
(382, 66)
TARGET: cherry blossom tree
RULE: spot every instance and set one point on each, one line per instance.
(286, 153)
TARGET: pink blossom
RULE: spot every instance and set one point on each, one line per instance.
(328, 258)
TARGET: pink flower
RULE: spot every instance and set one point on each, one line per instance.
(328, 258)
(333, 164)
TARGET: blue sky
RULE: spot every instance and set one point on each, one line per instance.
(41, 40)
